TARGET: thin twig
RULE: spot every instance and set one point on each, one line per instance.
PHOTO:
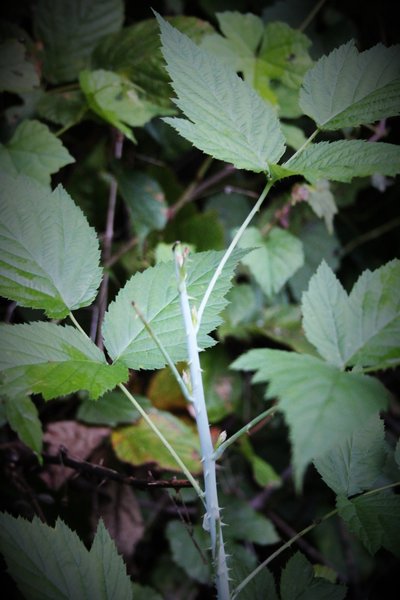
(311, 15)
(108, 238)
(123, 250)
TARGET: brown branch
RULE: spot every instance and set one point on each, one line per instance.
(90, 469)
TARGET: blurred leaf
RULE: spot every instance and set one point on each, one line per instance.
(45, 561)
(247, 524)
(321, 410)
(23, 417)
(70, 29)
(53, 360)
(222, 388)
(282, 323)
(112, 409)
(276, 259)
(34, 151)
(355, 464)
(138, 445)
(145, 200)
(144, 592)
(189, 546)
(263, 473)
(242, 310)
(318, 246)
(322, 201)
(135, 53)
(374, 518)
(50, 255)
(116, 100)
(16, 73)
(294, 136)
(232, 209)
(63, 108)
(298, 581)
(164, 391)
(260, 587)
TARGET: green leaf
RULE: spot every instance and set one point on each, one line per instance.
(53, 360)
(70, 29)
(115, 99)
(374, 519)
(225, 117)
(49, 562)
(49, 254)
(16, 73)
(276, 259)
(135, 53)
(34, 151)
(23, 417)
(284, 54)
(137, 444)
(263, 473)
(321, 410)
(298, 581)
(322, 201)
(354, 465)
(145, 200)
(155, 291)
(65, 108)
(362, 329)
(294, 136)
(247, 524)
(347, 87)
(317, 247)
(190, 549)
(345, 159)
(112, 409)
(222, 391)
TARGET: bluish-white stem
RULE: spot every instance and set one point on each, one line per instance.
(212, 519)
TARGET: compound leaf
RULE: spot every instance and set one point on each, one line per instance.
(354, 465)
(155, 292)
(276, 259)
(34, 151)
(345, 159)
(49, 254)
(320, 410)
(225, 116)
(53, 360)
(49, 562)
(374, 519)
(70, 29)
(362, 329)
(347, 87)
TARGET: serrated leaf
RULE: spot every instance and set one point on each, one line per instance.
(49, 254)
(374, 519)
(145, 201)
(225, 117)
(317, 247)
(53, 360)
(16, 73)
(23, 417)
(276, 259)
(321, 410)
(115, 99)
(347, 87)
(360, 329)
(298, 581)
(345, 159)
(354, 465)
(322, 201)
(245, 523)
(70, 29)
(135, 53)
(137, 444)
(34, 151)
(155, 291)
(49, 562)
(112, 409)
(190, 554)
